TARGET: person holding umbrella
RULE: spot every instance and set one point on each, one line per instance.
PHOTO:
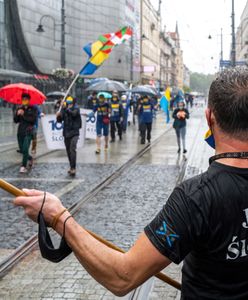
(26, 116)
(70, 115)
(116, 117)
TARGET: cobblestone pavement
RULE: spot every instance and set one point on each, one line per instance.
(15, 227)
(118, 213)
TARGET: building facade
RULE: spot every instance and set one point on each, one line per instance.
(39, 52)
(186, 76)
(152, 56)
(179, 65)
(168, 60)
(242, 37)
(150, 44)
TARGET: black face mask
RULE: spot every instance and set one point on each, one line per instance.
(46, 245)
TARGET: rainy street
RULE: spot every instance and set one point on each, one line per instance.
(123, 149)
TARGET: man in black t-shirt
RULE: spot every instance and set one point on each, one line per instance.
(204, 222)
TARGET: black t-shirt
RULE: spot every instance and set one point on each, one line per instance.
(205, 223)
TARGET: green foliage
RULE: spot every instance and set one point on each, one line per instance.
(186, 89)
(200, 82)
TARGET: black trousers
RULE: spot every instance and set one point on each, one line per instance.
(145, 131)
(113, 126)
(71, 150)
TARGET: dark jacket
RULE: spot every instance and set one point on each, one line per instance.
(145, 112)
(27, 121)
(72, 121)
(180, 123)
(117, 111)
(92, 102)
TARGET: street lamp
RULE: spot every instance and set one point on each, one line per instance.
(40, 29)
(221, 44)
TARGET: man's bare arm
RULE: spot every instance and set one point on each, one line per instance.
(118, 272)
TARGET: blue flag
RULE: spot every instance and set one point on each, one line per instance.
(165, 104)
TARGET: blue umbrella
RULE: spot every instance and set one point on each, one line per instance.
(106, 95)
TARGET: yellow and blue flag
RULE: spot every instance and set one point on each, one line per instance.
(209, 138)
(165, 103)
(99, 51)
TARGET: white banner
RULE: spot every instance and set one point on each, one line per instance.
(53, 132)
(90, 124)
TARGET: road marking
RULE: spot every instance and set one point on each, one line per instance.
(69, 187)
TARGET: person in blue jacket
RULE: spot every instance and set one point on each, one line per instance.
(145, 109)
(116, 117)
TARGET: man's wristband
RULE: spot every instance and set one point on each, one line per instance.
(65, 223)
(56, 218)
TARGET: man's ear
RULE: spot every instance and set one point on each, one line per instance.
(208, 117)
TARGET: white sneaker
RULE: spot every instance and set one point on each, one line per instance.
(23, 170)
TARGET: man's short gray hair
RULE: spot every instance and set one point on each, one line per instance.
(228, 99)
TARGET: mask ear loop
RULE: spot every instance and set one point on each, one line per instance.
(43, 202)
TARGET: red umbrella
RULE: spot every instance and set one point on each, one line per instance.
(13, 93)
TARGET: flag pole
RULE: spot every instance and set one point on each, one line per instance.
(68, 91)
(17, 192)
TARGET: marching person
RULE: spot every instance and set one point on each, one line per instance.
(204, 222)
(102, 122)
(70, 115)
(116, 117)
(92, 101)
(125, 107)
(26, 116)
(180, 115)
(145, 119)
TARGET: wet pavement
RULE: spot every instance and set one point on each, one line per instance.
(118, 213)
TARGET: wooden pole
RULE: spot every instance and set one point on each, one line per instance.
(17, 192)
(68, 91)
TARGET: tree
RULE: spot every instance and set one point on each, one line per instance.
(201, 82)
(186, 89)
